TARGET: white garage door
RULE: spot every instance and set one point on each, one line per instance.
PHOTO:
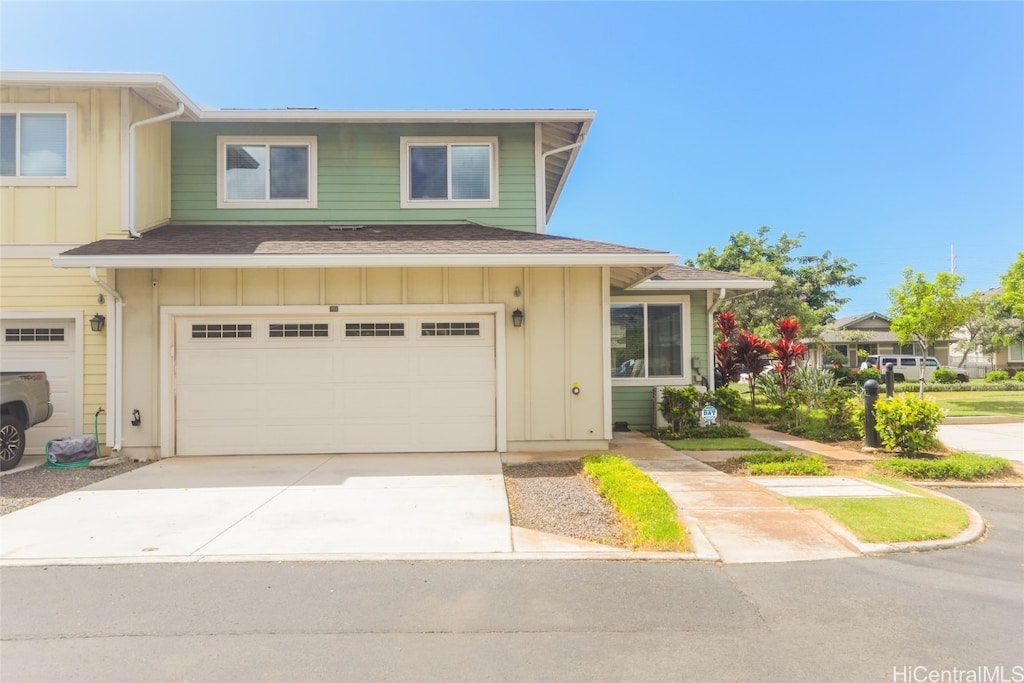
(343, 385)
(47, 345)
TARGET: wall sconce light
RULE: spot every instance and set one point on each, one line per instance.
(97, 322)
(517, 318)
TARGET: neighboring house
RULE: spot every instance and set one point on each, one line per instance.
(308, 281)
(849, 338)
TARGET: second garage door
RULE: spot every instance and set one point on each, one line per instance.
(344, 385)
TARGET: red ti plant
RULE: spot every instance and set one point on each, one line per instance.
(787, 350)
(749, 350)
(725, 359)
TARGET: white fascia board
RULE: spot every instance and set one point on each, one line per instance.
(746, 285)
(87, 79)
(360, 260)
(413, 116)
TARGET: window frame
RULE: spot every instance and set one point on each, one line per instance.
(686, 331)
(309, 141)
(1015, 352)
(70, 177)
(407, 202)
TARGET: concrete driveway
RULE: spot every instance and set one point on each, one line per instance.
(1005, 440)
(289, 507)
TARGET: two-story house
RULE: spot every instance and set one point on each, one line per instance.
(309, 281)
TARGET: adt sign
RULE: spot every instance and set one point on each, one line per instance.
(709, 415)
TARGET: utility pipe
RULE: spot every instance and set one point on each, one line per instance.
(117, 329)
(132, 232)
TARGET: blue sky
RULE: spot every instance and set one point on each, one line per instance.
(886, 132)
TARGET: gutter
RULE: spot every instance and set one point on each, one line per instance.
(132, 232)
(117, 329)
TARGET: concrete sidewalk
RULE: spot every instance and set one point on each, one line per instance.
(732, 518)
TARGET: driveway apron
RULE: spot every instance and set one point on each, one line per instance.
(295, 506)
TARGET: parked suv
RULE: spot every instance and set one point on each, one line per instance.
(905, 368)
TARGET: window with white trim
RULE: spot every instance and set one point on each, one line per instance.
(1016, 351)
(647, 340)
(266, 172)
(449, 172)
(37, 144)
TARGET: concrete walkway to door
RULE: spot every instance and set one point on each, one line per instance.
(280, 507)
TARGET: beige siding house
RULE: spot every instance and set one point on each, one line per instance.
(307, 281)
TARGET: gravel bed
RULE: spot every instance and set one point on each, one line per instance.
(555, 497)
(28, 487)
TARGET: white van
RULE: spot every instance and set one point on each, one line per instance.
(905, 368)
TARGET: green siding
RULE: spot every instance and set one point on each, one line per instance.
(634, 405)
(358, 169)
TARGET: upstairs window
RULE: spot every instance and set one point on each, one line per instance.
(37, 144)
(266, 172)
(449, 172)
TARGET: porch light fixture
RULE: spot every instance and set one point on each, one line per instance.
(517, 318)
(97, 322)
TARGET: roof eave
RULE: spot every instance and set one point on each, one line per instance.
(744, 285)
(399, 116)
(646, 261)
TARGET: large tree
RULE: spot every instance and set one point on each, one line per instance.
(927, 311)
(806, 286)
(1013, 287)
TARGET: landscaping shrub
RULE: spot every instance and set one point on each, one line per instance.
(728, 401)
(815, 383)
(995, 376)
(1009, 385)
(708, 432)
(866, 374)
(785, 463)
(681, 406)
(907, 423)
(943, 376)
(959, 466)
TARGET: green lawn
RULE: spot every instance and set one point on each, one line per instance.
(980, 403)
(893, 520)
(734, 444)
(647, 511)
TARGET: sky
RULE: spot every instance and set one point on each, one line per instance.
(891, 134)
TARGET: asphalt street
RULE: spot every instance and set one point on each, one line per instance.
(887, 618)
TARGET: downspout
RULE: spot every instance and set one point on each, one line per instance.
(132, 232)
(711, 339)
(117, 329)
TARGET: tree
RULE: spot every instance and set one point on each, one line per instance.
(1013, 287)
(926, 311)
(806, 287)
(990, 326)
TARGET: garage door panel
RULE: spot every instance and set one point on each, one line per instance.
(337, 393)
(50, 349)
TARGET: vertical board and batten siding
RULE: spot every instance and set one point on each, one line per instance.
(33, 285)
(91, 208)
(559, 343)
(637, 405)
(358, 171)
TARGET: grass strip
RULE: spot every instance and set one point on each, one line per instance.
(646, 511)
(980, 404)
(788, 463)
(893, 520)
(960, 466)
(733, 444)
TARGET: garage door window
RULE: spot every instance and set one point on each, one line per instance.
(374, 329)
(455, 329)
(222, 331)
(34, 334)
(298, 330)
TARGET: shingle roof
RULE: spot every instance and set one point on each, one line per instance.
(690, 274)
(460, 239)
